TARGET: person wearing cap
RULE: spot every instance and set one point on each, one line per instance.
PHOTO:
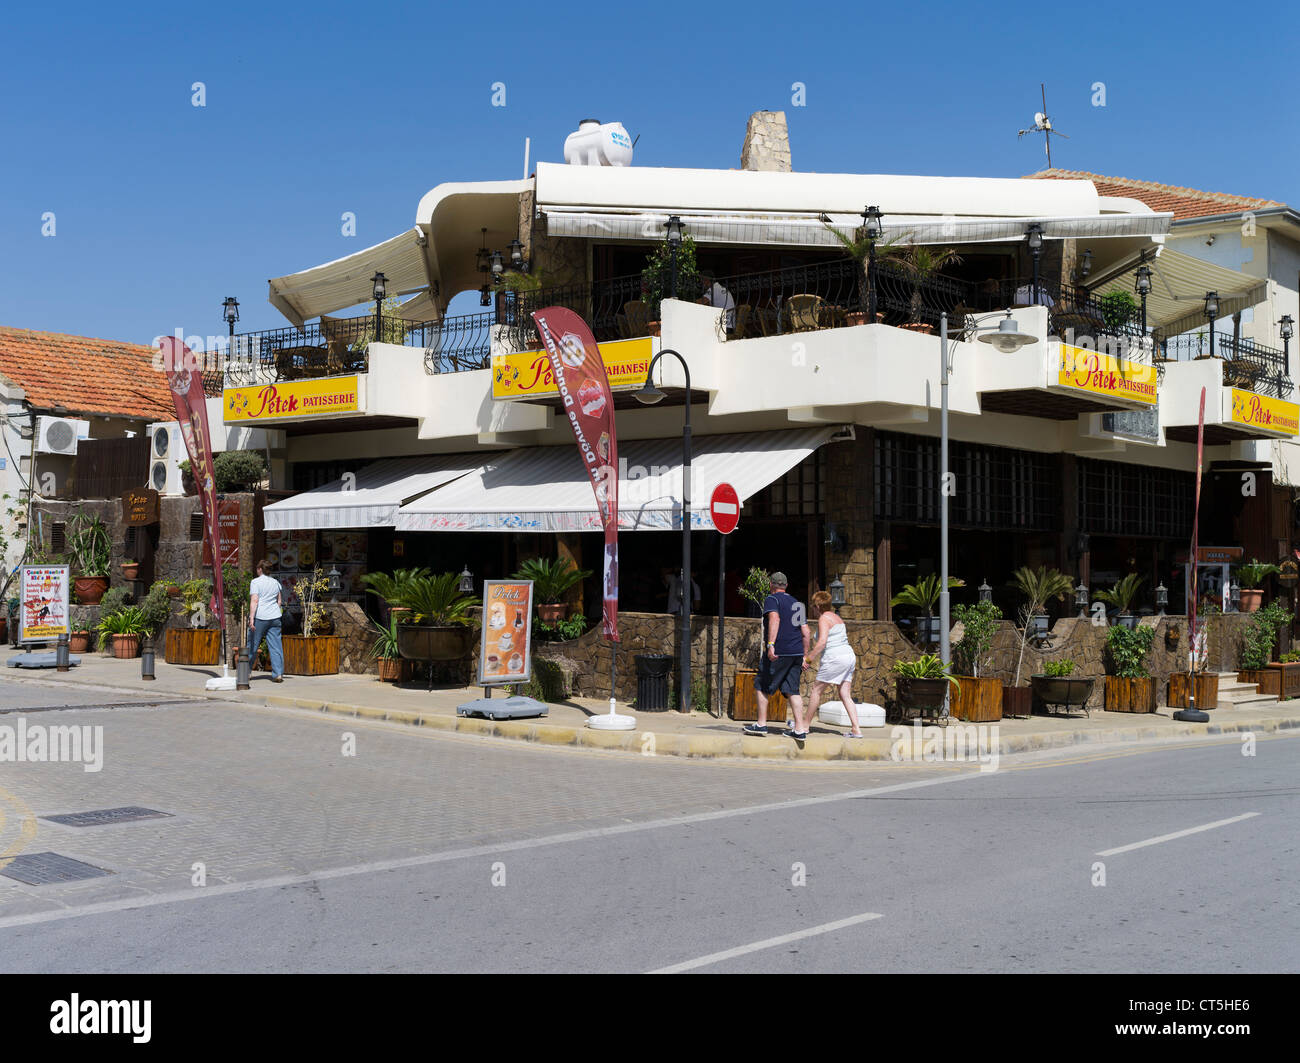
(784, 655)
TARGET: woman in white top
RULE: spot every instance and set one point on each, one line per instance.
(838, 663)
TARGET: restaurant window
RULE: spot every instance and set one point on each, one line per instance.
(1119, 499)
(801, 492)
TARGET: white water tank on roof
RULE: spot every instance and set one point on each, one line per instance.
(598, 144)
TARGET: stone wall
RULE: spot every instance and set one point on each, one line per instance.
(850, 498)
(767, 142)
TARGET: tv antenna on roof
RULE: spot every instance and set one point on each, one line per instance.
(1043, 124)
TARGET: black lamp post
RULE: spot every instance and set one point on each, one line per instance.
(837, 593)
(1211, 311)
(230, 311)
(874, 230)
(466, 581)
(380, 285)
(485, 296)
(1142, 285)
(498, 265)
(675, 228)
(649, 394)
(1085, 267)
(1286, 328)
(1034, 237)
(1081, 599)
(986, 592)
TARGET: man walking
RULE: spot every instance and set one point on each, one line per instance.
(784, 653)
(264, 596)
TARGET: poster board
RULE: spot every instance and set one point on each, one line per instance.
(43, 603)
(506, 651)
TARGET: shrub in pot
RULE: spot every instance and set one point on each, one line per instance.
(316, 650)
(124, 627)
(385, 650)
(1056, 684)
(1129, 685)
(1258, 642)
(978, 697)
(90, 550)
(1122, 596)
(1037, 585)
(1250, 578)
(922, 684)
(552, 581)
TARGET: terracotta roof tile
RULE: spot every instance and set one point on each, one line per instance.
(1182, 202)
(85, 375)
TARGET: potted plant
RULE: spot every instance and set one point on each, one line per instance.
(1130, 687)
(1119, 310)
(1038, 585)
(130, 568)
(756, 587)
(1258, 642)
(978, 698)
(919, 263)
(124, 627)
(312, 652)
(196, 640)
(441, 623)
(389, 588)
(921, 685)
(1121, 596)
(923, 596)
(385, 651)
(172, 588)
(1250, 578)
(1057, 684)
(90, 549)
(552, 581)
(656, 278)
(858, 248)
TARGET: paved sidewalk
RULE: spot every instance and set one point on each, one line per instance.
(662, 733)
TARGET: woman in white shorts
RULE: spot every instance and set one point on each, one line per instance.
(838, 663)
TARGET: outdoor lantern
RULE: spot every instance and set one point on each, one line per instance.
(1236, 597)
(380, 283)
(675, 229)
(1287, 326)
(871, 220)
(230, 310)
(1162, 599)
(1142, 280)
(837, 593)
(1008, 337)
(498, 264)
(467, 581)
(335, 581)
(481, 255)
(1034, 237)
(485, 296)
(1211, 305)
(1085, 267)
(516, 254)
(986, 592)
(648, 394)
(1081, 599)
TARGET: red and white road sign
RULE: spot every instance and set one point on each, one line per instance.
(724, 508)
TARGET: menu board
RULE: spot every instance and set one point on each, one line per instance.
(43, 613)
(506, 652)
(293, 555)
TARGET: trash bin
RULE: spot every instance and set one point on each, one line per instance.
(652, 681)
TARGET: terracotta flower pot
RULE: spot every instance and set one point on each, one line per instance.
(390, 669)
(79, 642)
(130, 572)
(551, 613)
(173, 592)
(126, 646)
(653, 328)
(90, 589)
(1251, 600)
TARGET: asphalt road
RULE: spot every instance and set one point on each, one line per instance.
(443, 852)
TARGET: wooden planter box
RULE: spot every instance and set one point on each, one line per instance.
(744, 704)
(1266, 680)
(390, 669)
(193, 646)
(318, 655)
(1207, 690)
(1290, 681)
(1130, 695)
(977, 700)
(1017, 701)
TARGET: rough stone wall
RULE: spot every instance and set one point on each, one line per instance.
(767, 142)
(561, 259)
(849, 507)
(355, 637)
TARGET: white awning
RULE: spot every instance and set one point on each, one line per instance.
(1179, 282)
(347, 281)
(546, 489)
(807, 230)
(371, 497)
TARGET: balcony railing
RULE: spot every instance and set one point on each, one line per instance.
(1246, 364)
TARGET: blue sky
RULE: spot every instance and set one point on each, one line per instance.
(161, 208)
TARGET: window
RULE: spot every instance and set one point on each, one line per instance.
(799, 493)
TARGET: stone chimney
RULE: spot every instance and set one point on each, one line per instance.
(767, 142)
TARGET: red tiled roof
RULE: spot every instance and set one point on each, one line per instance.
(1182, 202)
(85, 375)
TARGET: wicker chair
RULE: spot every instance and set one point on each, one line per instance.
(804, 312)
(634, 321)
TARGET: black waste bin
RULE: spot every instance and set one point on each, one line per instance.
(652, 681)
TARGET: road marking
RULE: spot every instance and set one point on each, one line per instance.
(1177, 834)
(768, 943)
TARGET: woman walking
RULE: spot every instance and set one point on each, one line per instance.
(838, 663)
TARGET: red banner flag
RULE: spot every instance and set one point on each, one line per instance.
(1196, 519)
(589, 405)
(185, 378)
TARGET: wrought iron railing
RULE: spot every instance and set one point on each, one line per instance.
(1246, 364)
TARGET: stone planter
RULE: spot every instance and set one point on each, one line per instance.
(1206, 690)
(1017, 701)
(1068, 692)
(192, 646)
(423, 642)
(79, 642)
(977, 700)
(318, 655)
(126, 646)
(90, 589)
(1130, 695)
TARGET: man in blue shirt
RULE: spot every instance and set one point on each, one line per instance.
(784, 654)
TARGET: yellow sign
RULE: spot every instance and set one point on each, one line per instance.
(528, 375)
(1264, 411)
(1105, 374)
(293, 398)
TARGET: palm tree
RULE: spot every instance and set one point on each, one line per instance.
(920, 262)
(923, 595)
(1122, 594)
(1037, 585)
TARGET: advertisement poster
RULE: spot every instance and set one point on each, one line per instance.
(506, 653)
(43, 603)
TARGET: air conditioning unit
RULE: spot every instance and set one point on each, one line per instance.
(59, 435)
(166, 452)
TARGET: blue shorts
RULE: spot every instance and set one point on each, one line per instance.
(783, 674)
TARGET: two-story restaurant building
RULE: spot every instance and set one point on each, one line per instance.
(432, 439)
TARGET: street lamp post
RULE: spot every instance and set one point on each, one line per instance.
(649, 395)
(1142, 285)
(674, 227)
(1211, 311)
(871, 221)
(230, 311)
(1286, 328)
(1007, 338)
(1034, 237)
(379, 285)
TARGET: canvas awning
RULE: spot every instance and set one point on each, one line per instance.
(371, 497)
(347, 281)
(546, 489)
(1179, 282)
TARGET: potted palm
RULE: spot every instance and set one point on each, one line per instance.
(441, 627)
(124, 627)
(385, 650)
(919, 263)
(858, 248)
(922, 685)
(389, 588)
(978, 697)
(1130, 687)
(1121, 596)
(552, 581)
(91, 550)
(922, 596)
(1038, 586)
(1250, 578)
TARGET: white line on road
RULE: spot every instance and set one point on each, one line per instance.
(742, 950)
(1176, 834)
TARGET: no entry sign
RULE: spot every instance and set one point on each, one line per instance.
(724, 508)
